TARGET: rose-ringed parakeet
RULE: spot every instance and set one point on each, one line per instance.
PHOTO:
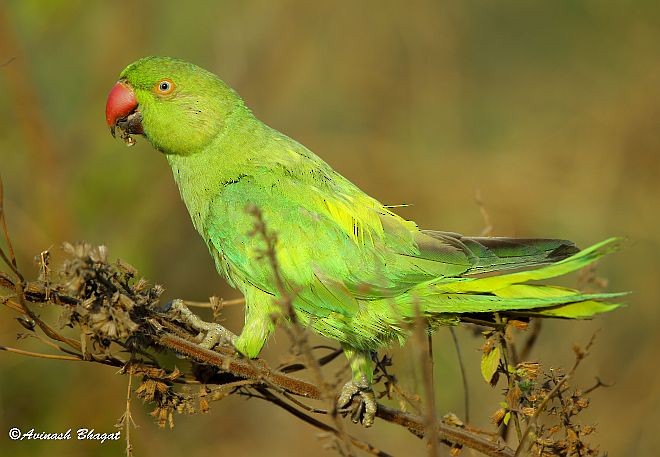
(356, 272)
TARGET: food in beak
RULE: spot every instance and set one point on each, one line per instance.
(121, 113)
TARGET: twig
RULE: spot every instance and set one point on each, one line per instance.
(532, 424)
(35, 292)
(251, 369)
(481, 322)
(506, 357)
(126, 419)
(199, 304)
(598, 384)
(446, 432)
(466, 390)
(11, 261)
(303, 405)
(54, 345)
(409, 399)
(531, 339)
(22, 307)
(269, 396)
(488, 226)
(292, 368)
(40, 355)
(423, 350)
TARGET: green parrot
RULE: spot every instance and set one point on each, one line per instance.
(356, 272)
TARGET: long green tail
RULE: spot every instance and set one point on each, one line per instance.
(511, 294)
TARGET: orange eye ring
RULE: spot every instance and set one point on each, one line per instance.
(164, 87)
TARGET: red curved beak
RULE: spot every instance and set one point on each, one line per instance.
(121, 102)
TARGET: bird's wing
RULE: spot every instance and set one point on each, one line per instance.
(335, 244)
(338, 246)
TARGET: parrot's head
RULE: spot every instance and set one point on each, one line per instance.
(179, 107)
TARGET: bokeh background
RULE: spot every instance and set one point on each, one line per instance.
(550, 110)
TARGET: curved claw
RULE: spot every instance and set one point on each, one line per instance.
(365, 411)
(213, 333)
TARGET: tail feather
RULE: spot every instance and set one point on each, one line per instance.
(477, 303)
(493, 283)
(490, 254)
(509, 293)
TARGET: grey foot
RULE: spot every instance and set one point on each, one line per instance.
(211, 332)
(365, 411)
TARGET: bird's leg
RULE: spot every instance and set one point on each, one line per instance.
(212, 333)
(362, 367)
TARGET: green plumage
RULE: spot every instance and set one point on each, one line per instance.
(357, 272)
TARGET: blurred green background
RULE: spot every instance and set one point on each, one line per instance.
(550, 109)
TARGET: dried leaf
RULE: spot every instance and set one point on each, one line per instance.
(498, 416)
(520, 325)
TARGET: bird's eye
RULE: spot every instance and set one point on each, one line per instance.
(165, 87)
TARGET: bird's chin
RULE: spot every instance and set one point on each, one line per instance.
(127, 126)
